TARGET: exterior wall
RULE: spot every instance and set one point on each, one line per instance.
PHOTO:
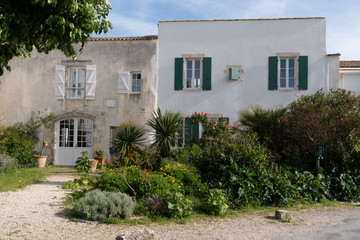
(334, 71)
(30, 87)
(247, 43)
(350, 79)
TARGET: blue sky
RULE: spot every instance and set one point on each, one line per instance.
(140, 17)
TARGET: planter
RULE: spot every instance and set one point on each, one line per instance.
(100, 160)
(41, 160)
(93, 164)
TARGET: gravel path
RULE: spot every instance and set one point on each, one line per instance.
(36, 213)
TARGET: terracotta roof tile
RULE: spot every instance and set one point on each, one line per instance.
(140, 38)
(350, 64)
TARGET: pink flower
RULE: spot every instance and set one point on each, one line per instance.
(231, 125)
(195, 112)
(202, 113)
(187, 115)
(214, 128)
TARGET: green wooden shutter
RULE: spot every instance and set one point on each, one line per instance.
(195, 132)
(206, 73)
(179, 74)
(187, 130)
(303, 72)
(273, 72)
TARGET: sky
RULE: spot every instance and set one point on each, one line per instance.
(140, 17)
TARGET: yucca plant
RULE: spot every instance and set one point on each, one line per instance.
(127, 138)
(167, 126)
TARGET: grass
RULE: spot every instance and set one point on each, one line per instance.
(19, 178)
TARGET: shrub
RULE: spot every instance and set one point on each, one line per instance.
(178, 205)
(97, 205)
(83, 163)
(215, 202)
(186, 177)
(14, 143)
(8, 165)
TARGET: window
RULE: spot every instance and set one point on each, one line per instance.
(79, 84)
(192, 73)
(288, 72)
(76, 83)
(136, 82)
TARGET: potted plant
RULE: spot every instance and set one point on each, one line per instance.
(47, 123)
(100, 156)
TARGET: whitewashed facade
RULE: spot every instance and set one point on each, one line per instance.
(273, 61)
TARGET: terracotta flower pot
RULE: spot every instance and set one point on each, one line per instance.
(41, 160)
(100, 160)
(93, 164)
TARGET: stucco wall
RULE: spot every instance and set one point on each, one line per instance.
(248, 43)
(30, 87)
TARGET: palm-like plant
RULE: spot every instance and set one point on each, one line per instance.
(127, 138)
(167, 126)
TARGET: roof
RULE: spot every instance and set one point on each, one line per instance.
(350, 64)
(139, 38)
(251, 19)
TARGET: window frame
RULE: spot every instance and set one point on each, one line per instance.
(287, 73)
(139, 80)
(69, 88)
(193, 70)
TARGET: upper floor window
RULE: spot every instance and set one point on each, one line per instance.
(136, 82)
(76, 83)
(288, 71)
(193, 72)
(79, 84)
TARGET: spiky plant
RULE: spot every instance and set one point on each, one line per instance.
(167, 126)
(128, 137)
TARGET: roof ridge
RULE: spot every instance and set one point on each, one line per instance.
(245, 19)
(138, 38)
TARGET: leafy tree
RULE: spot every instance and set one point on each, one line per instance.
(167, 127)
(47, 25)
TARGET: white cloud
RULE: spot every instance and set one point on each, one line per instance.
(132, 26)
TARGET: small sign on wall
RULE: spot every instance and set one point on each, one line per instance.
(110, 103)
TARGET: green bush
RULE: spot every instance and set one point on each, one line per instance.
(185, 176)
(99, 206)
(215, 202)
(8, 165)
(178, 205)
(14, 143)
(346, 186)
(83, 163)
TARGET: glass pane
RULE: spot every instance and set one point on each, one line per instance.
(291, 63)
(282, 73)
(189, 64)
(282, 63)
(291, 73)
(197, 64)
(188, 82)
(189, 73)
(197, 73)
(291, 82)
(283, 82)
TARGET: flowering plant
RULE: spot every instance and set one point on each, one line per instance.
(212, 128)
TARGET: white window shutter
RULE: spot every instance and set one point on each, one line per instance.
(123, 80)
(59, 82)
(90, 81)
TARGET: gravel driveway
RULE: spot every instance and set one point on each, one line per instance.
(36, 213)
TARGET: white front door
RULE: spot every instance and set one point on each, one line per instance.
(74, 135)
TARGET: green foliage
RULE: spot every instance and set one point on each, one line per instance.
(8, 165)
(99, 206)
(14, 143)
(178, 205)
(188, 155)
(99, 153)
(215, 202)
(346, 187)
(83, 163)
(167, 126)
(48, 25)
(127, 138)
(186, 177)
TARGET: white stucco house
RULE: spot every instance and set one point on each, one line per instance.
(224, 66)
(112, 81)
